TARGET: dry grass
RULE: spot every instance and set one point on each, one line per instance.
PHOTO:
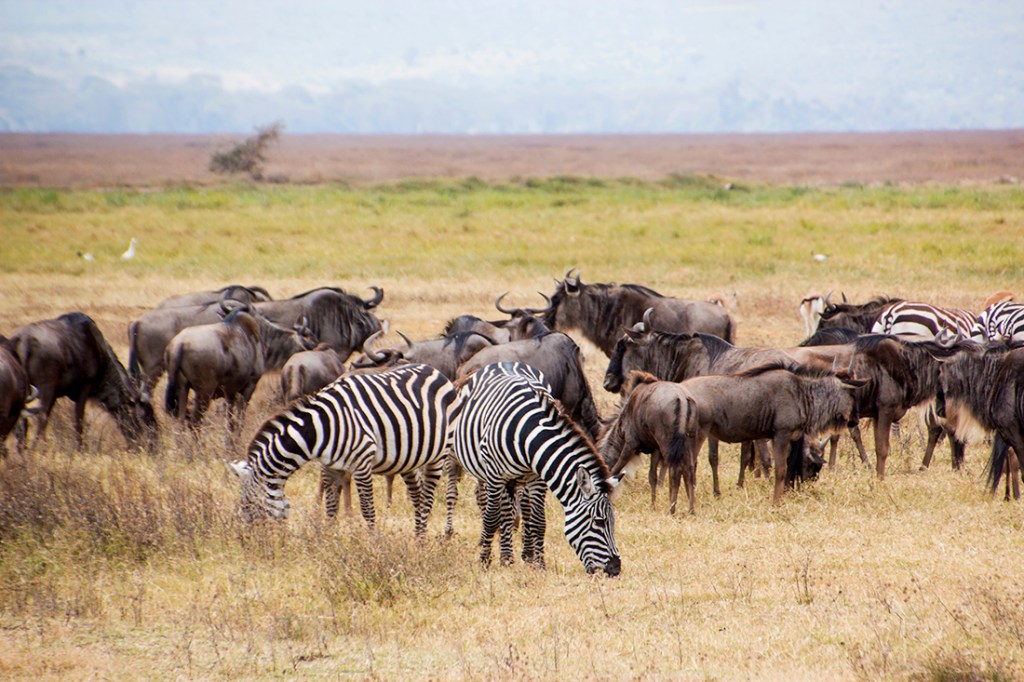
(117, 565)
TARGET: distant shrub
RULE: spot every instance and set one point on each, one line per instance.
(247, 156)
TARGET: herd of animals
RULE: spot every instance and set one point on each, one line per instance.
(507, 400)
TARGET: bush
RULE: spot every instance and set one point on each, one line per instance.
(247, 156)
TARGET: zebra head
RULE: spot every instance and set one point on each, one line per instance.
(590, 525)
(261, 496)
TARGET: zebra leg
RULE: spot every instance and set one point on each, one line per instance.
(534, 522)
(431, 475)
(364, 488)
(331, 482)
(506, 519)
(412, 485)
(492, 513)
(451, 493)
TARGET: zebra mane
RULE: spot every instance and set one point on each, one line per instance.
(595, 461)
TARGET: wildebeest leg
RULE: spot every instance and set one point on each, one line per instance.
(389, 481)
(451, 493)
(1016, 443)
(80, 422)
(935, 434)
(957, 450)
(833, 449)
(859, 442)
(746, 460)
(713, 461)
(364, 489)
(675, 474)
(195, 420)
(780, 453)
(762, 449)
(652, 478)
(883, 430)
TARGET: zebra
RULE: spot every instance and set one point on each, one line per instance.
(906, 318)
(511, 431)
(392, 422)
(1000, 322)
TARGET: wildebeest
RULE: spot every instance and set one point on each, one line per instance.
(658, 417)
(522, 324)
(308, 371)
(601, 311)
(232, 292)
(339, 319)
(678, 357)
(558, 357)
(779, 402)
(859, 316)
(983, 389)
(226, 359)
(15, 391)
(445, 354)
(68, 356)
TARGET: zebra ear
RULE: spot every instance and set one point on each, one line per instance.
(585, 482)
(240, 468)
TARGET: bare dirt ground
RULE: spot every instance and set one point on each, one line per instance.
(67, 160)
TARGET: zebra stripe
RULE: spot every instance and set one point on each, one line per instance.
(393, 422)
(510, 431)
(922, 320)
(1002, 322)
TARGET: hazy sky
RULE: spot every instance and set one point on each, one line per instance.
(545, 66)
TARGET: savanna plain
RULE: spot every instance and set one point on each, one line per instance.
(117, 564)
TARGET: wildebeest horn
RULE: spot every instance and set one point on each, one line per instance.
(648, 327)
(378, 296)
(575, 280)
(497, 304)
(828, 296)
(844, 297)
(540, 311)
(369, 352)
(405, 338)
(230, 305)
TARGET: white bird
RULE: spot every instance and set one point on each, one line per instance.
(85, 256)
(820, 257)
(130, 253)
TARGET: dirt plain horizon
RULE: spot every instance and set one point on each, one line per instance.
(65, 160)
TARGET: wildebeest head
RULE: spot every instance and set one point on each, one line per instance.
(640, 348)
(854, 316)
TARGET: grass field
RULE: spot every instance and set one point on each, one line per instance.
(115, 565)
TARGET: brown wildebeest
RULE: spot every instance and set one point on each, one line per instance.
(68, 356)
(233, 292)
(15, 391)
(339, 319)
(601, 311)
(983, 390)
(226, 359)
(658, 417)
(858, 316)
(308, 371)
(678, 357)
(778, 402)
(521, 325)
(445, 354)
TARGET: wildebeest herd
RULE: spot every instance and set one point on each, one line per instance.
(508, 401)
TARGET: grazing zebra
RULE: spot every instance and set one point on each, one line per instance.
(394, 422)
(922, 320)
(511, 431)
(1003, 321)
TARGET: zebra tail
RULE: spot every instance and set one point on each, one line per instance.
(996, 462)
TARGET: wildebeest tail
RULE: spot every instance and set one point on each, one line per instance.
(677, 445)
(997, 461)
(173, 378)
(134, 371)
(795, 461)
